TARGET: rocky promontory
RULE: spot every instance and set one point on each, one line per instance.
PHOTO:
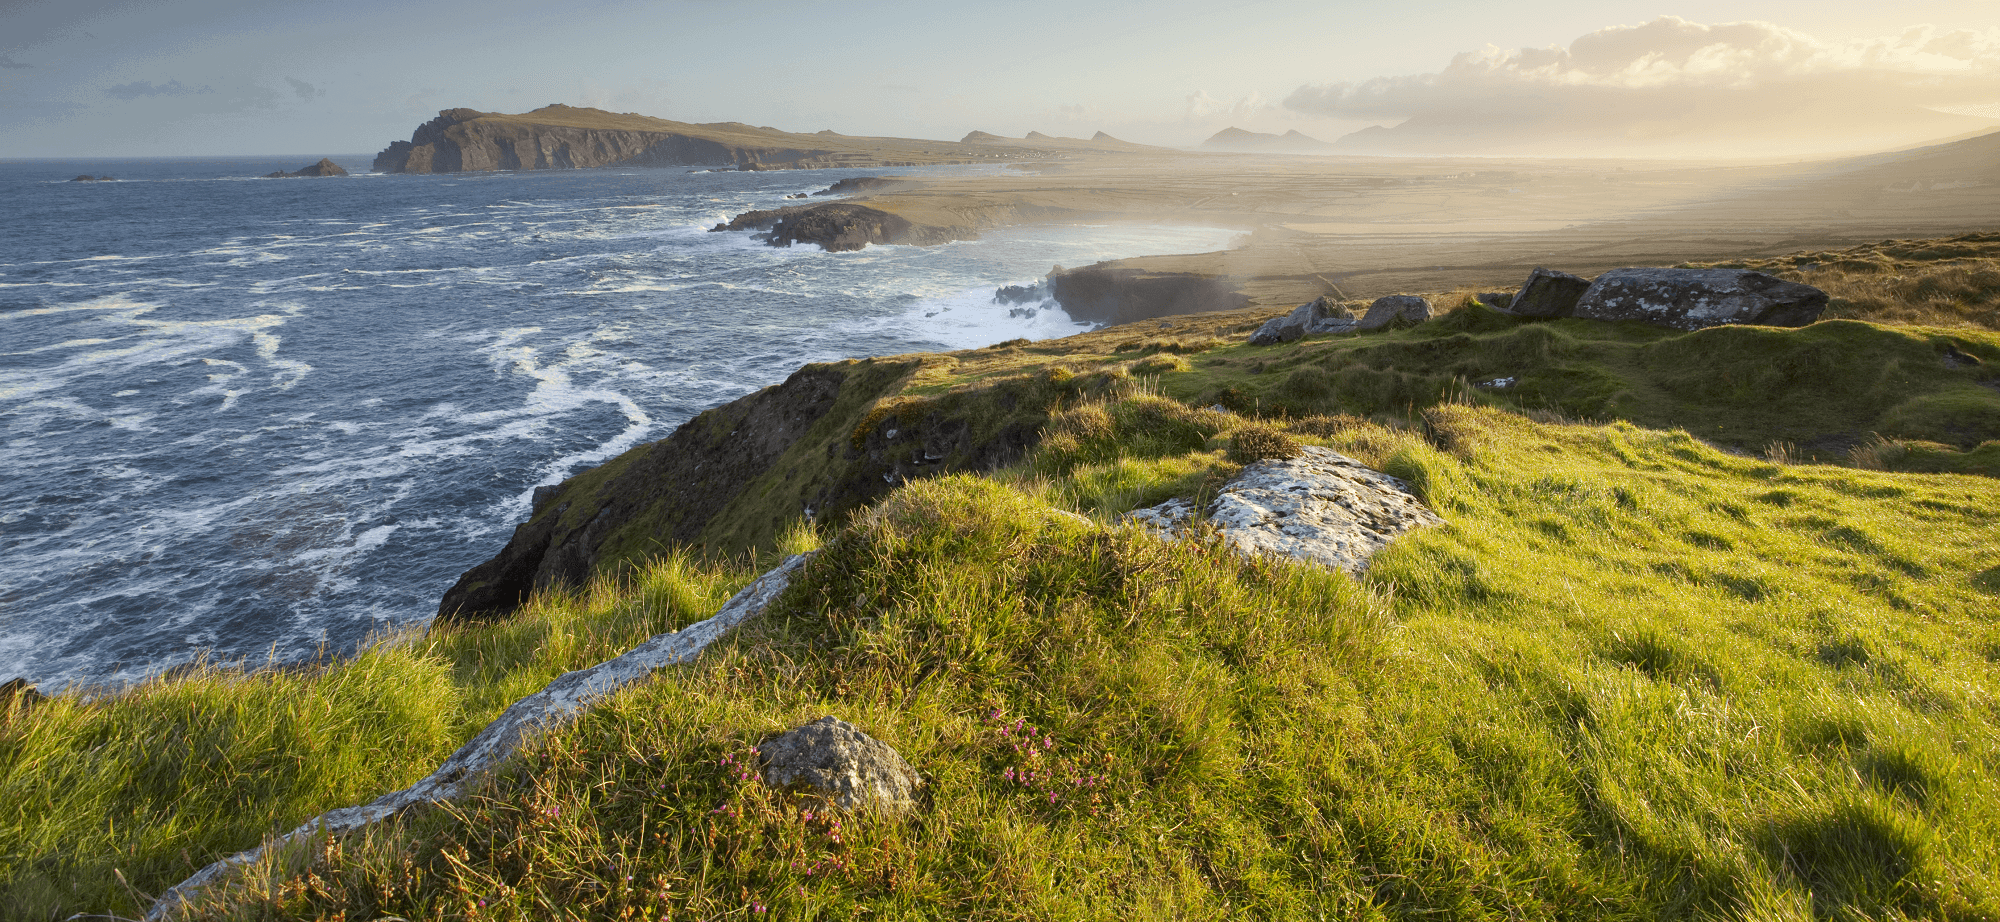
(1118, 292)
(841, 226)
(559, 137)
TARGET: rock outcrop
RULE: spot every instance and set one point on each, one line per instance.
(1548, 293)
(1395, 309)
(324, 167)
(822, 444)
(1321, 506)
(840, 226)
(1310, 319)
(1110, 293)
(1691, 299)
(834, 757)
(1683, 299)
(558, 703)
(669, 491)
(855, 185)
(86, 177)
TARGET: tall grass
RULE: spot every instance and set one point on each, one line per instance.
(1632, 677)
(108, 799)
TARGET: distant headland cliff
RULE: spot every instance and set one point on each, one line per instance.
(559, 137)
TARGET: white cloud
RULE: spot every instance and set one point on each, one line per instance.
(142, 89)
(1673, 81)
(1202, 107)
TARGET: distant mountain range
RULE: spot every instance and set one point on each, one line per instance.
(1038, 140)
(1256, 142)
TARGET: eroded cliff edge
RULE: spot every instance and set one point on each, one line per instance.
(829, 440)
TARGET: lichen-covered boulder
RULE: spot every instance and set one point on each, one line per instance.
(1691, 299)
(1310, 319)
(835, 757)
(1395, 308)
(1321, 506)
(1548, 293)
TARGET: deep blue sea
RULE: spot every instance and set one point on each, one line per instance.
(265, 417)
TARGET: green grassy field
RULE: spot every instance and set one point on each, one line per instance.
(1634, 675)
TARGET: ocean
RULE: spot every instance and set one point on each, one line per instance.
(269, 419)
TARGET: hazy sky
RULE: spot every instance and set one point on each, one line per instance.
(189, 77)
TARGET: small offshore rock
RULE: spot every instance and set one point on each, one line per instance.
(1692, 299)
(325, 167)
(1396, 308)
(1021, 294)
(835, 757)
(1321, 507)
(1548, 293)
(1315, 317)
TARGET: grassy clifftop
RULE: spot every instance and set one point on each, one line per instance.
(1634, 675)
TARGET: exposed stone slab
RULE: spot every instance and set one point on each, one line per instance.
(1691, 299)
(1321, 506)
(560, 702)
(834, 756)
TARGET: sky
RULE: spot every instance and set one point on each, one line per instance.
(117, 78)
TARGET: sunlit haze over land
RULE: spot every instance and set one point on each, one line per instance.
(1766, 78)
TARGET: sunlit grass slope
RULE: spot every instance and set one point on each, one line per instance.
(1633, 677)
(122, 794)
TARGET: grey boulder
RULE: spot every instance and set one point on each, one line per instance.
(1385, 311)
(1322, 507)
(1691, 299)
(1548, 293)
(1315, 317)
(835, 757)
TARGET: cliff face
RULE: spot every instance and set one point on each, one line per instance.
(829, 440)
(1112, 292)
(467, 140)
(566, 138)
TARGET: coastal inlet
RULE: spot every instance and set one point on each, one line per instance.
(248, 417)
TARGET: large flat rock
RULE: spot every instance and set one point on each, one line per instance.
(1322, 506)
(1691, 299)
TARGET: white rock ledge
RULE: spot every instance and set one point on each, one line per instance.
(560, 702)
(1323, 507)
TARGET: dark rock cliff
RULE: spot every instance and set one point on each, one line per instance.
(819, 446)
(840, 226)
(1111, 293)
(467, 140)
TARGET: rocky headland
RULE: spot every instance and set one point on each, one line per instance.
(560, 137)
